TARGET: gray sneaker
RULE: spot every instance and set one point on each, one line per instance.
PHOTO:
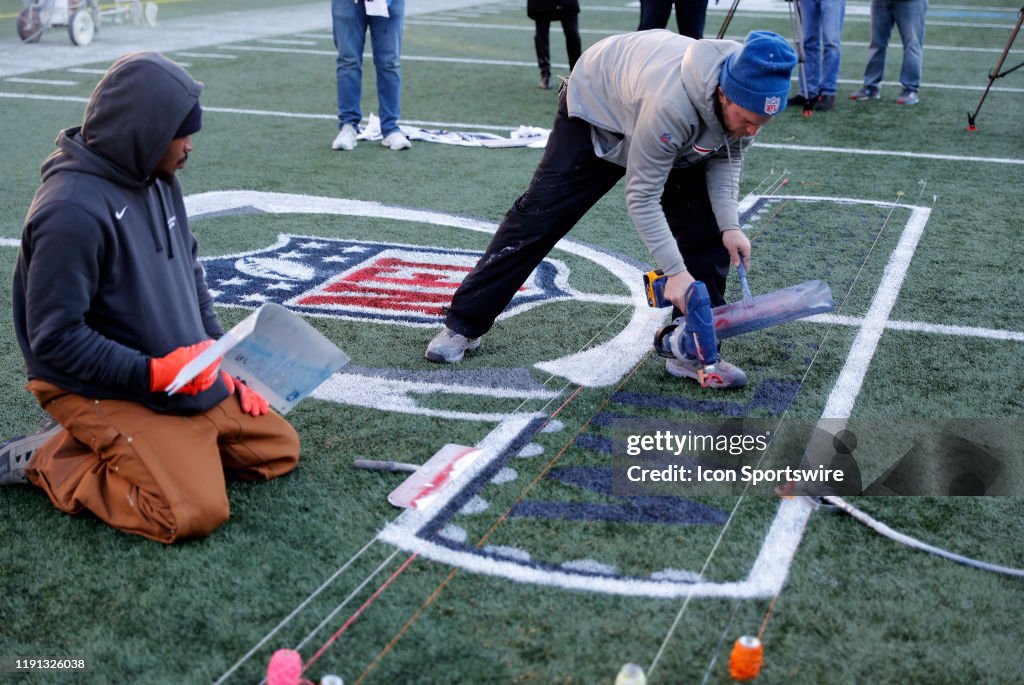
(724, 376)
(908, 97)
(866, 93)
(16, 452)
(448, 346)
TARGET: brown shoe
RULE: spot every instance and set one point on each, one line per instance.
(545, 82)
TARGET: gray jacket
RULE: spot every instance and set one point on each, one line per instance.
(649, 96)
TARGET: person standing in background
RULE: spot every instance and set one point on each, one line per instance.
(908, 15)
(543, 12)
(385, 19)
(822, 22)
(690, 15)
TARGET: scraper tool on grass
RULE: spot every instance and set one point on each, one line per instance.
(421, 489)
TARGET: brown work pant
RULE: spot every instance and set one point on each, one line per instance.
(157, 475)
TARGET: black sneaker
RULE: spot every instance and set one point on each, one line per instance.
(824, 103)
(799, 100)
(16, 452)
(866, 93)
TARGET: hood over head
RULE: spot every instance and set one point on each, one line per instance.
(701, 68)
(136, 110)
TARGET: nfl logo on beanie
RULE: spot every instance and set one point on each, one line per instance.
(757, 76)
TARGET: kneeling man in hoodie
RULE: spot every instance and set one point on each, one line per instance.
(110, 302)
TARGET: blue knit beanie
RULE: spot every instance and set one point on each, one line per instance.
(757, 77)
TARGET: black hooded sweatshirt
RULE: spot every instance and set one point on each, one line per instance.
(108, 274)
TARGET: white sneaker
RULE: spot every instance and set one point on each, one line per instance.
(448, 347)
(396, 140)
(724, 376)
(16, 452)
(346, 138)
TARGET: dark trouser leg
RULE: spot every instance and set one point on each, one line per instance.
(688, 211)
(690, 15)
(573, 45)
(542, 27)
(654, 14)
(567, 183)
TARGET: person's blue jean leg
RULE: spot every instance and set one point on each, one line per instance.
(349, 38)
(881, 29)
(832, 12)
(386, 39)
(909, 15)
(810, 11)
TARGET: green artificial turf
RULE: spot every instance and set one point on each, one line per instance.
(855, 608)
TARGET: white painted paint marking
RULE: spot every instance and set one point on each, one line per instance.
(454, 125)
(508, 552)
(923, 327)
(390, 395)
(204, 55)
(10, 242)
(439, 21)
(601, 365)
(531, 450)
(890, 153)
(505, 475)
(285, 41)
(40, 81)
(851, 378)
(86, 70)
(590, 566)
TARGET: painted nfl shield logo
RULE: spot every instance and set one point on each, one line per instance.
(354, 279)
(771, 105)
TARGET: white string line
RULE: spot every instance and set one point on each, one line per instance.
(778, 183)
(721, 641)
(344, 602)
(348, 599)
(707, 561)
(746, 487)
(689, 595)
(294, 613)
(337, 573)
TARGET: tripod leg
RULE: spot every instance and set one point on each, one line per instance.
(727, 20)
(797, 23)
(996, 72)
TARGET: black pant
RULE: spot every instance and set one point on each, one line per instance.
(689, 15)
(569, 180)
(573, 46)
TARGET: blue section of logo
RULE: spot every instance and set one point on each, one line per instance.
(657, 509)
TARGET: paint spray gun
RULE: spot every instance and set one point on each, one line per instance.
(692, 335)
(698, 333)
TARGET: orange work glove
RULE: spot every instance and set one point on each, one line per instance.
(252, 402)
(162, 370)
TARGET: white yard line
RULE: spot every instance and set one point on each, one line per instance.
(851, 378)
(453, 125)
